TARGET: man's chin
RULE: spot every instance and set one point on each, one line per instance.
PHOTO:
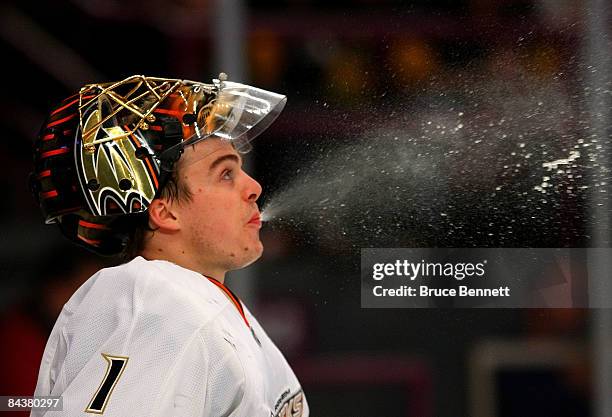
(257, 252)
(251, 254)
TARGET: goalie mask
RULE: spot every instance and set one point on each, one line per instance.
(106, 152)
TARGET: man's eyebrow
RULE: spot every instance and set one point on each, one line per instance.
(224, 158)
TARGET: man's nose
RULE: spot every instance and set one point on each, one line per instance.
(252, 189)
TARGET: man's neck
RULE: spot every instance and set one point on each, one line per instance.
(182, 259)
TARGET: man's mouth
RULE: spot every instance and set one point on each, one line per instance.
(256, 219)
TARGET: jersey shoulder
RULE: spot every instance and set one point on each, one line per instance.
(145, 310)
(142, 287)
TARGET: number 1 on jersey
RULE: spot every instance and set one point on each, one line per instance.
(114, 369)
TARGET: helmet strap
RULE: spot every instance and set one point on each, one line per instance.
(167, 163)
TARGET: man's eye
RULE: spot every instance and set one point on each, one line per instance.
(228, 174)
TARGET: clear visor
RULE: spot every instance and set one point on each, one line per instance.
(237, 114)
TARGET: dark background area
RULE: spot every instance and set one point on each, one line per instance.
(347, 67)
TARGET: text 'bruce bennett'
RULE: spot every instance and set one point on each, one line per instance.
(425, 291)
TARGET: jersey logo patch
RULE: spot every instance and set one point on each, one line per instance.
(115, 365)
(291, 407)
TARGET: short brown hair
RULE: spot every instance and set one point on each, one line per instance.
(174, 189)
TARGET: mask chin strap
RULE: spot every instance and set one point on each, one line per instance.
(167, 161)
(173, 133)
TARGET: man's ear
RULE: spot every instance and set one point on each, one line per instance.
(162, 216)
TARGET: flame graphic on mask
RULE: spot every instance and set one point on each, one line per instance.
(113, 179)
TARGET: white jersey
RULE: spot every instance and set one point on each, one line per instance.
(150, 338)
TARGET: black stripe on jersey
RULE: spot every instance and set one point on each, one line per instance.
(114, 369)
